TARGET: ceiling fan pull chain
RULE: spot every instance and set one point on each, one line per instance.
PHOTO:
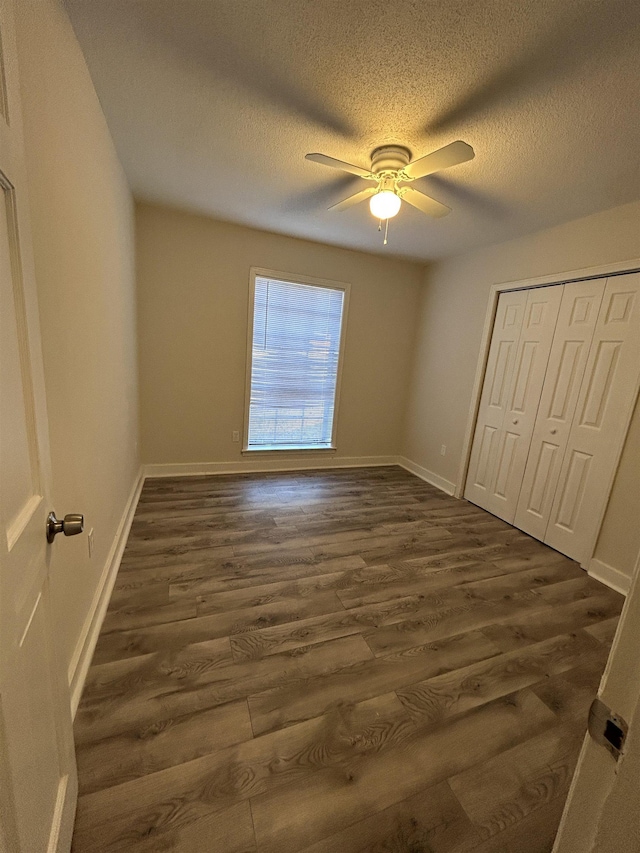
(380, 225)
(386, 231)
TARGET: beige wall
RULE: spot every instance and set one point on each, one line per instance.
(448, 342)
(82, 221)
(193, 280)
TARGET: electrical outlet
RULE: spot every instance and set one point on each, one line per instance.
(443, 449)
(235, 435)
(90, 542)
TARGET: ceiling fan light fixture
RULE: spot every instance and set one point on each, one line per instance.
(385, 204)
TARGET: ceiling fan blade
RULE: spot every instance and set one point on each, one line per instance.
(340, 164)
(424, 202)
(443, 158)
(354, 199)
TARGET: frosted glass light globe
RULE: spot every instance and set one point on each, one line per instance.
(384, 204)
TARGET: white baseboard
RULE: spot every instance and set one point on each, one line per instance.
(61, 831)
(606, 574)
(255, 466)
(86, 644)
(429, 477)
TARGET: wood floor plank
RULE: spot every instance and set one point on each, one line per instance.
(178, 554)
(381, 548)
(429, 822)
(502, 791)
(410, 620)
(460, 550)
(438, 624)
(197, 789)
(230, 830)
(536, 833)
(201, 578)
(604, 631)
(162, 743)
(288, 819)
(291, 703)
(191, 679)
(533, 583)
(289, 637)
(570, 694)
(261, 594)
(334, 660)
(198, 537)
(145, 595)
(145, 615)
(547, 621)
(442, 696)
(477, 580)
(241, 574)
(247, 628)
(117, 645)
(531, 554)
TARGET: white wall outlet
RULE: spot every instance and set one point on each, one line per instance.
(235, 435)
(90, 542)
(443, 449)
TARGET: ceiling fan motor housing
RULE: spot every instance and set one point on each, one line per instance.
(389, 158)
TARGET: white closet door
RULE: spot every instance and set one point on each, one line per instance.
(571, 344)
(495, 393)
(518, 357)
(605, 400)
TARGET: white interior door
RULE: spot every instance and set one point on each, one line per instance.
(518, 357)
(37, 767)
(602, 814)
(606, 399)
(571, 344)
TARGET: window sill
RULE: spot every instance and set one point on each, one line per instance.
(269, 450)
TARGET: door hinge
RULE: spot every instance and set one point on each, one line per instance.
(606, 728)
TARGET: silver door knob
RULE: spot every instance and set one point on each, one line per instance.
(70, 525)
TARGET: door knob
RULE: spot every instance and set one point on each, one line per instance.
(554, 431)
(515, 420)
(70, 525)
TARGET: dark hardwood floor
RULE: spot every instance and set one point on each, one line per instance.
(335, 662)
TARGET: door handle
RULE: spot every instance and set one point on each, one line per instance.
(70, 525)
(554, 431)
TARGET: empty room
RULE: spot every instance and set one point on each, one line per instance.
(319, 426)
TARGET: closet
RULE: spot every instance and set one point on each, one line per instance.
(561, 379)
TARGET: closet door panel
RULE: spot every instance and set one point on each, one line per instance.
(503, 440)
(536, 339)
(571, 343)
(607, 395)
(497, 386)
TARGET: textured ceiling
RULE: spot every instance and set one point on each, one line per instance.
(214, 103)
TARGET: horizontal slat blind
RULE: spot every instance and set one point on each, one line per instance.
(294, 364)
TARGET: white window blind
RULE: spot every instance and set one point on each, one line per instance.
(294, 365)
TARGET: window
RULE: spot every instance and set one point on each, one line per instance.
(295, 344)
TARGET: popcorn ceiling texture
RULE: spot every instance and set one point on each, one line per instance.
(213, 106)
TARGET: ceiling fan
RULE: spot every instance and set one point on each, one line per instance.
(391, 167)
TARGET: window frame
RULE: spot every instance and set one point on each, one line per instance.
(290, 278)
